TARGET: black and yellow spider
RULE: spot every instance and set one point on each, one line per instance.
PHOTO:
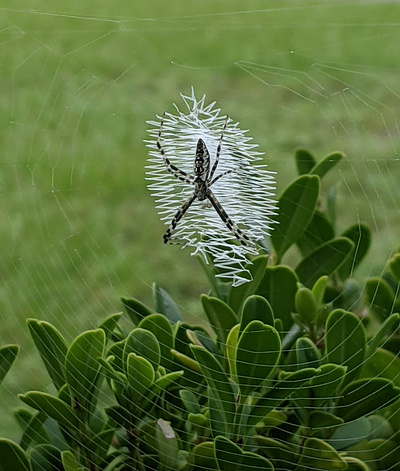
(202, 179)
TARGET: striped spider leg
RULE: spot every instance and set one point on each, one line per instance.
(202, 180)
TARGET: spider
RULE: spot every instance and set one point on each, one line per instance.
(202, 180)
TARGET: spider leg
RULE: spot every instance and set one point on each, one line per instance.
(178, 216)
(214, 167)
(222, 175)
(175, 171)
(238, 233)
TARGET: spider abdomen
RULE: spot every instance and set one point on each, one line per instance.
(201, 161)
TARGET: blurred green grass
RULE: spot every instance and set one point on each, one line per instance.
(78, 82)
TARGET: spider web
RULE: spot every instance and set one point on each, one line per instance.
(80, 80)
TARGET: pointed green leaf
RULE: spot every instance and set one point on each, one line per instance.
(53, 407)
(345, 342)
(256, 307)
(82, 368)
(136, 310)
(318, 231)
(219, 384)
(258, 352)
(387, 329)
(317, 454)
(110, 324)
(8, 354)
(162, 329)
(364, 396)
(326, 383)
(304, 161)
(52, 349)
(394, 266)
(190, 401)
(326, 164)
(164, 381)
(239, 294)
(380, 298)
(34, 431)
(45, 458)
(279, 286)
(279, 393)
(145, 344)
(166, 305)
(307, 353)
(295, 209)
(360, 235)
(323, 261)
(231, 345)
(350, 433)
(231, 458)
(220, 316)
(13, 457)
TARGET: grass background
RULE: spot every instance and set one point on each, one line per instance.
(78, 81)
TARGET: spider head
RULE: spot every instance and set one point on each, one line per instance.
(201, 161)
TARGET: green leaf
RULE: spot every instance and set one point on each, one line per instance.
(304, 161)
(306, 306)
(320, 420)
(345, 342)
(364, 396)
(220, 386)
(13, 457)
(204, 456)
(135, 309)
(190, 401)
(256, 307)
(45, 458)
(394, 266)
(307, 353)
(279, 286)
(283, 457)
(379, 338)
(82, 368)
(53, 407)
(326, 164)
(166, 445)
(110, 324)
(144, 343)
(162, 329)
(240, 293)
(295, 209)
(140, 374)
(279, 393)
(379, 297)
(166, 305)
(384, 364)
(326, 383)
(220, 316)
(68, 461)
(258, 352)
(318, 289)
(34, 431)
(8, 354)
(350, 433)
(323, 261)
(317, 454)
(318, 231)
(231, 458)
(360, 235)
(164, 381)
(52, 349)
(231, 345)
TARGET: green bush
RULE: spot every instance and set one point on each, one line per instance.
(295, 370)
